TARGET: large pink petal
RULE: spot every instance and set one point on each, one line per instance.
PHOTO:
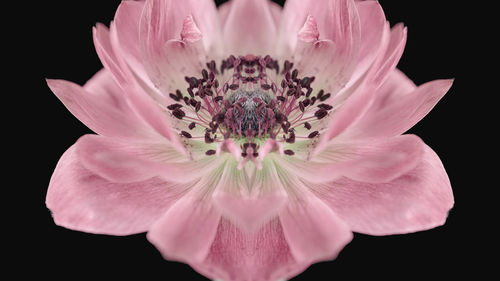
(119, 161)
(314, 233)
(418, 200)
(395, 116)
(236, 255)
(249, 27)
(139, 100)
(373, 160)
(100, 106)
(82, 200)
(185, 233)
(249, 210)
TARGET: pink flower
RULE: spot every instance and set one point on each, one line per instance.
(249, 141)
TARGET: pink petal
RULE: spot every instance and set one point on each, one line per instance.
(243, 34)
(249, 201)
(416, 201)
(186, 231)
(107, 55)
(241, 256)
(372, 24)
(313, 232)
(119, 161)
(359, 97)
(373, 160)
(139, 100)
(162, 22)
(102, 107)
(81, 200)
(399, 114)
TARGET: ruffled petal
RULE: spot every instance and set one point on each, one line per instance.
(314, 233)
(395, 113)
(81, 200)
(243, 33)
(100, 105)
(185, 233)
(373, 160)
(416, 201)
(236, 255)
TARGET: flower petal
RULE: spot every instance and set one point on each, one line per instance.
(313, 232)
(119, 161)
(373, 160)
(397, 115)
(416, 201)
(372, 25)
(241, 256)
(243, 34)
(82, 200)
(186, 231)
(100, 106)
(249, 201)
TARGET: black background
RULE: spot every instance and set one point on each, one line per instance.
(57, 43)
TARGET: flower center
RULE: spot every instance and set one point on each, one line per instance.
(250, 106)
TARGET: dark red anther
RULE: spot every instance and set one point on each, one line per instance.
(265, 87)
(225, 88)
(192, 81)
(210, 152)
(325, 97)
(255, 154)
(289, 152)
(201, 93)
(211, 76)
(190, 92)
(192, 102)
(243, 154)
(209, 92)
(295, 72)
(287, 66)
(281, 98)
(309, 91)
(283, 83)
(285, 126)
(186, 100)
(192, 125)
(306, 102)
(298, 93)
(218, 118)
(287, 76)
(313, 134)
(291, 138)
(174, 106)
(174, 97)
(290, 92)
(313, 100)
(321, 113)
(280, 118)
(197, 106)
(234, 86)
(218, 98)
(186, 134)
(178, 113)
(208, 139)
(204, 73)
(216, 83)
(301, 106)
(325, 106)
(307, 126)
(178, 93)
(305, 82)
(320, 93)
